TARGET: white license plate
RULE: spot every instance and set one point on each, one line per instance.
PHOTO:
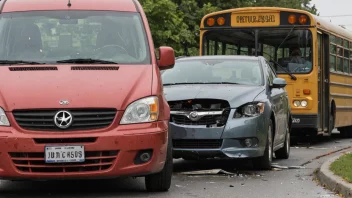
(64, 154)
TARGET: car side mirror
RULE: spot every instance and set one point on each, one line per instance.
(279, 83)
(166, 58)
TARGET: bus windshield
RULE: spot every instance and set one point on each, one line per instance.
(289, 48)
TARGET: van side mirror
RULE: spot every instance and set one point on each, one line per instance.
(166, 58)
(279, 83)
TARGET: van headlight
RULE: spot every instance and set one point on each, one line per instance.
(3, 118)
(141, 111)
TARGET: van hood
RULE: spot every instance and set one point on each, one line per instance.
(236, 95)
(27, 89)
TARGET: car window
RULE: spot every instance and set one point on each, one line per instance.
(246, 72)
(49, 36)
(270, 73)
(271, 69)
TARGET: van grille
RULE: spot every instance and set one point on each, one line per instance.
(35, 162)
(63, 140)
(82, 119)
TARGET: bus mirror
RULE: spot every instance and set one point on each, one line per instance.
(166, 58)
(279, 83)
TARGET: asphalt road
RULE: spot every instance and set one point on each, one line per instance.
(243, 182)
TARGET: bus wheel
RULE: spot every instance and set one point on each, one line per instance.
(331, 123)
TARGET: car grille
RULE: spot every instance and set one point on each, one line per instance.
(197, 144)
(206, 120)
(83, 119)
(35, 162)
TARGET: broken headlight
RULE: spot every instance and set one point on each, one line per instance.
(250, 110)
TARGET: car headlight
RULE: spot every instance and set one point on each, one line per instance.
(253, 109)
(3, 118)
(250, 110)
(141, 111)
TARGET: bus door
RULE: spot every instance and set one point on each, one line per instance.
(323, 82)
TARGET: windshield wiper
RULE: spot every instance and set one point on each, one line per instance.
(86, 60)
(195, 83)
(19, 62)
(287, 36)
(184, 83)
(293, 77)
(272, 60)
(230, 83)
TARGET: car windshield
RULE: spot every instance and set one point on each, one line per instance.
(210, 71)
(51, 36)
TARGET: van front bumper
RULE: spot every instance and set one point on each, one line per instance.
(108, 154)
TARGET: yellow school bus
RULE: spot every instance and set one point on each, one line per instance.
(311, 54)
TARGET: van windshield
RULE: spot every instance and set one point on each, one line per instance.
(51, 36)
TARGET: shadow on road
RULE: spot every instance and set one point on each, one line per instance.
(307, 141)
(85, 188)
(245, 166)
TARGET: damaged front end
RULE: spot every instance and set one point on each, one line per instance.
(197, 124)
(208, 113)
(209, 128)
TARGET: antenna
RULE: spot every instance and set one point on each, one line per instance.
(69, 3)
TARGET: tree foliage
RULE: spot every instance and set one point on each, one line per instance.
(176, 23)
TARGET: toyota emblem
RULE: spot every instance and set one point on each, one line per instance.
(63, 119)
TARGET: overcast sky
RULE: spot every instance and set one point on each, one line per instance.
(333, 8)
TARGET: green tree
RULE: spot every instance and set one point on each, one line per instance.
(167, 25)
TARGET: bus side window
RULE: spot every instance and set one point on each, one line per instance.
(231, 49)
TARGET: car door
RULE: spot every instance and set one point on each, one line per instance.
(276, 102)
(281, 108)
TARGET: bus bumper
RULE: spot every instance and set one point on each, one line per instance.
(304, 122)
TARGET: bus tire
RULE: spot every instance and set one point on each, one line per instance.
(331, 123)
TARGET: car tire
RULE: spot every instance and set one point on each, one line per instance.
(161, 182)
(264, 162)
(284, 152)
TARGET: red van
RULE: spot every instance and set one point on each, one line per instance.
(81, 93)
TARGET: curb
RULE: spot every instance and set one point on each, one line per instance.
(331, 181)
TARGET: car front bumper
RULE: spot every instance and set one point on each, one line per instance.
(222, 142)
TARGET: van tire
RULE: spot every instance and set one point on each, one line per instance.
(264, 162)
(161, 182)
